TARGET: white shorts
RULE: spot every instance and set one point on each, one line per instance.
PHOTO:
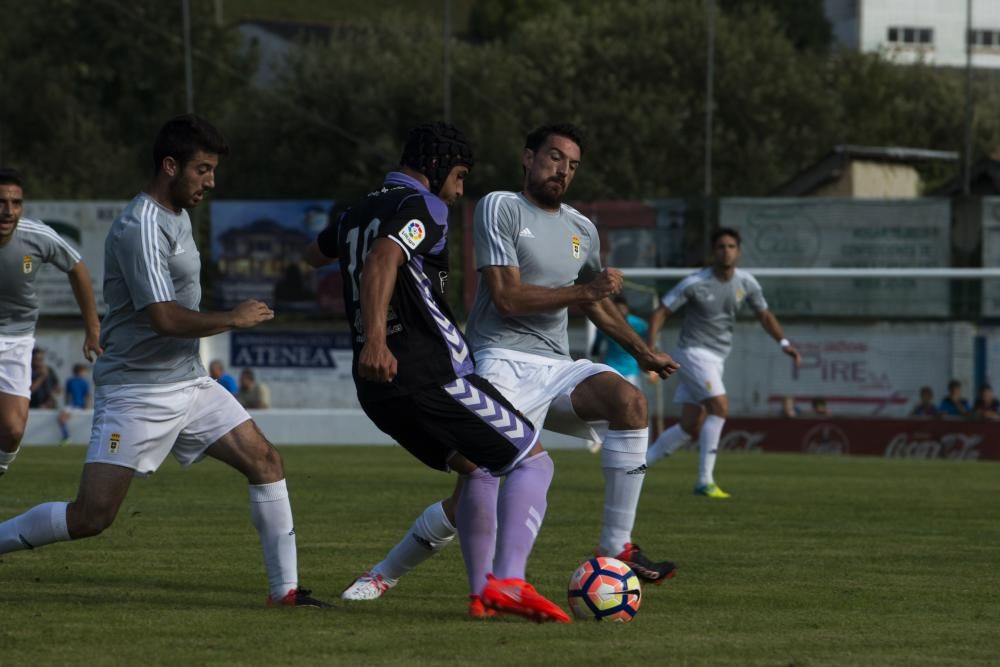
(700, 375)
(15, 365)
(136, 426)
(540, 388)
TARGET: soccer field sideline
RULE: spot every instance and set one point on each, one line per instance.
(815, 561)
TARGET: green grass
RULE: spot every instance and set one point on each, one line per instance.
(814, 561)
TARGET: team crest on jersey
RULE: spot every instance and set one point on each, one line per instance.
(412, 234)
(575, 242)
(739, 295)
(26, 264)
(113, 442)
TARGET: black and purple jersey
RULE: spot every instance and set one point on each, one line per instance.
(421, 331)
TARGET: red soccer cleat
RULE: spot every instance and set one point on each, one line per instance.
(477, 610)
(648, 571)
(298, 597)
(517, 596)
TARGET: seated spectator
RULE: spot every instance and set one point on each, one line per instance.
(819, 408)
(218, 373)
(953, 404)
(926, 407)
(77, 398)
(44, 382)
(789, 408)
(987, 405)
(253, 395)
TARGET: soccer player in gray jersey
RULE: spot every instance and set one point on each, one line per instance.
(712, 296)
(25, 246)
(153, 397)
(538, 256)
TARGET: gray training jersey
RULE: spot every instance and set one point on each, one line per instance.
(551, 249)
(31, 245)
(149, 257)
(712, 306)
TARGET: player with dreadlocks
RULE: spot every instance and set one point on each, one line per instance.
(412, 365)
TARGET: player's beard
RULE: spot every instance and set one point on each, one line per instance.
(545, 194)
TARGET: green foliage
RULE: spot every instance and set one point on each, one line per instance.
(814, 561)
(91, 91)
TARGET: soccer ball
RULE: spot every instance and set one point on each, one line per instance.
(604, 589)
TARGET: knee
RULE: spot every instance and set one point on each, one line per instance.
(632, 408)
(269, 463)
(11, 433)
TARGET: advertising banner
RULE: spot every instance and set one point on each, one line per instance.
(84, 225)
(258, 251)
(890, 438)
(839, 233)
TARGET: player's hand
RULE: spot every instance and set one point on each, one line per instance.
(660, 363)
(607, 283)
(251, 313)
(652, 376)
(92, 346)
(791, 351)
(376, 363)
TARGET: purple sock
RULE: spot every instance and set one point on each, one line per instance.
(476, 520)
(522, 509)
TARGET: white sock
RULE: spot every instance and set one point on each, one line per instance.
(6, 458)
(708, 446)
(669, 441)
(430, 533)
(41, 525)
(271, 514)
(623, 459)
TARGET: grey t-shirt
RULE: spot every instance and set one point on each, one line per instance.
(149, 257)
(32, 244)
(712, 306)
(551, 249)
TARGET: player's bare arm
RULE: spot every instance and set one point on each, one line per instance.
(773, 327)
(79, 280)
(513, 297)
(606, 317)
(656, 321)
(376, 362)
(169, 318)
(316, 257)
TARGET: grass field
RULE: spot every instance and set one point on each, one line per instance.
(815, 561)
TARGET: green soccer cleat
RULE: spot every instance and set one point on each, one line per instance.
(710, 491)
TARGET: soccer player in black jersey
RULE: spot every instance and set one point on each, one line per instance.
(412, 366)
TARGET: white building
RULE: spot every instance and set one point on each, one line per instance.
(908, 31)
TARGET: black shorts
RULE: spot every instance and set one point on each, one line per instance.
(469, 416)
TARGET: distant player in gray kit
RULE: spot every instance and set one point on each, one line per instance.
(536, 257)
(25, 246)
(153, 397)
(712, 296)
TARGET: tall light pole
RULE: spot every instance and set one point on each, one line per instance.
(188, 73)
(446, 65)
(967, 158)
(709, 110)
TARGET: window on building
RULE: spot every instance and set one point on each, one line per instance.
(989, 39)
(910, 35)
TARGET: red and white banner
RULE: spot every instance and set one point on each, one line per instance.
(889, 438)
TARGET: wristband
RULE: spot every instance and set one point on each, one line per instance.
(784, 343)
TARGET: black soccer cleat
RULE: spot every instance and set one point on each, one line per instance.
(298, 597)
(647, 570)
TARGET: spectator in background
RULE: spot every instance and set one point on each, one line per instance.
(953, 404)
(987, 405)
(819, 408)
(926, 407)
(218, 373)
(789, 408)
(253, 395)
(77, 398)
(44, 382)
